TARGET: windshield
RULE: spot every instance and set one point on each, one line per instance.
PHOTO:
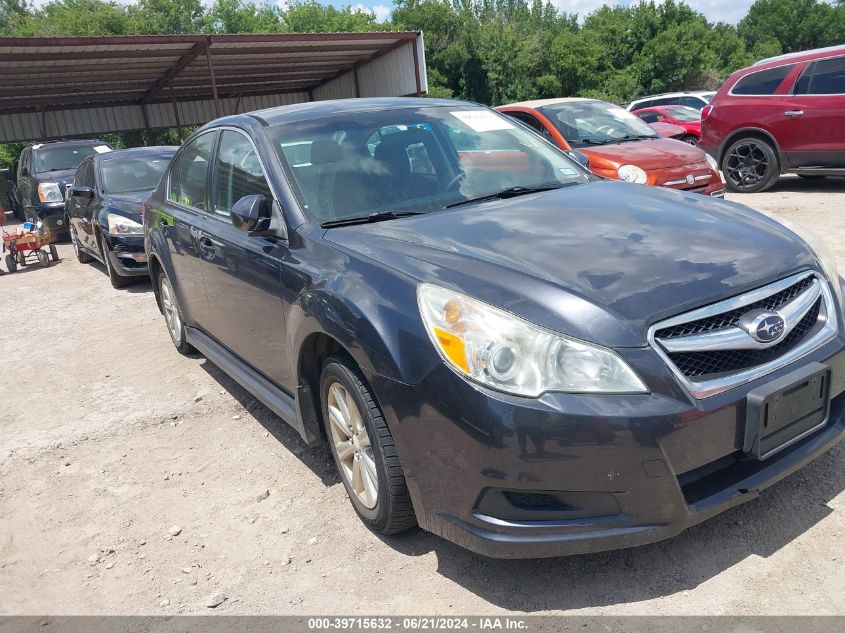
(142, 173)
(60, 158)
(590, 123)
(352, 165)
(683, 113)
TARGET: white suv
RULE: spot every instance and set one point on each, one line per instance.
(696, 99)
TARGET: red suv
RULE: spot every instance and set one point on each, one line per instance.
(784, 114)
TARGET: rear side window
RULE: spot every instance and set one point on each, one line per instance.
(189, 174)
(825, 77)
(763, 82)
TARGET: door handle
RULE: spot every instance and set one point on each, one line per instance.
(793, 113)
(209, 246)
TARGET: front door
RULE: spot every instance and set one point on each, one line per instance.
(243, 273)
(815, 116)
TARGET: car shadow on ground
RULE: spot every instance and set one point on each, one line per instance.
(795, 184)
(318, 460)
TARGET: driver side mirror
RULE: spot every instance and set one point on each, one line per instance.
(82, 192)
(579, 157)
(251, 214)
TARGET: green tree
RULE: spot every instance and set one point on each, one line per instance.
(165, 17)
(795, 24)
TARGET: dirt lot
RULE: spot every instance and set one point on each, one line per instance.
(109, 438)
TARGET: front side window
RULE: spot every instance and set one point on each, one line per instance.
(140, 173)
(189, 174)
(237, 173)
(589, 123)
(85, 174)
(763, 82)
(413, 160)
(648, 117)
(51, 158)
(826, 77)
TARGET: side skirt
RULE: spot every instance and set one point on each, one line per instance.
(272, 396)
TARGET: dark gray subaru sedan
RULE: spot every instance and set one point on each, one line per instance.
(496, 345)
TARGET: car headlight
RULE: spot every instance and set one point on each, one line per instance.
(820, 248)
(632, 173)
(507, 353)
(121, 225)
(712, 162)
(49, 192)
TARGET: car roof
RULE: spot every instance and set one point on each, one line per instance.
(70, 141)
(539, 103)
(137, 151)
(317, 109)
(801, 55)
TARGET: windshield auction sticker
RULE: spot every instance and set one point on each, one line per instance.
(483, 120)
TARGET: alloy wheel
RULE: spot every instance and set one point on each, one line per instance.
(171, 312)
(747, 165)
(351, 444)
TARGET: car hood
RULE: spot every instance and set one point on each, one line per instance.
(127, 204)
(600, 261)
(63, 176)
(651, 154)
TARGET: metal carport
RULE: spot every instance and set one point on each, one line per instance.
(71, 86)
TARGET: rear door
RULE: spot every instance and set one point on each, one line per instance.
(243, 273)
(187, 205)
(816, 113)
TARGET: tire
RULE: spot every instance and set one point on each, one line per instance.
(690, 139)
(43, 258)
(750, 165)
(369, 448)
(11, 264)
(81, 256)
(170, 309)
(54, 253)
(117, 280)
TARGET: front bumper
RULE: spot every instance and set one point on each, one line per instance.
(127, 255)
(566, 474)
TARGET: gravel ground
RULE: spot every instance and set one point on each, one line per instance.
(134, 480)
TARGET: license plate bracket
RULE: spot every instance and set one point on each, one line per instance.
(781, 412)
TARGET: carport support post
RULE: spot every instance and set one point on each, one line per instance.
(218, 107)
(176, 118)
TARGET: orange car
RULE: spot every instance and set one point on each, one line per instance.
(619, 145)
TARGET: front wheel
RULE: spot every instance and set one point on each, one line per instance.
(81, 255)
(117, 280)
(173, 316)
(690, 139)
(750, 165)
(363, 449)
(11, 264)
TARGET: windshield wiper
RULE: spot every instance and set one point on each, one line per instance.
(638, 137)
(381, 216)
(592, 141)
(510, 192)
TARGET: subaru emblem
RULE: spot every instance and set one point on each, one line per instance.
(763, 326)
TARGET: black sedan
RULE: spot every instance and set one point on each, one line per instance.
(493, 343)
(104, 208)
